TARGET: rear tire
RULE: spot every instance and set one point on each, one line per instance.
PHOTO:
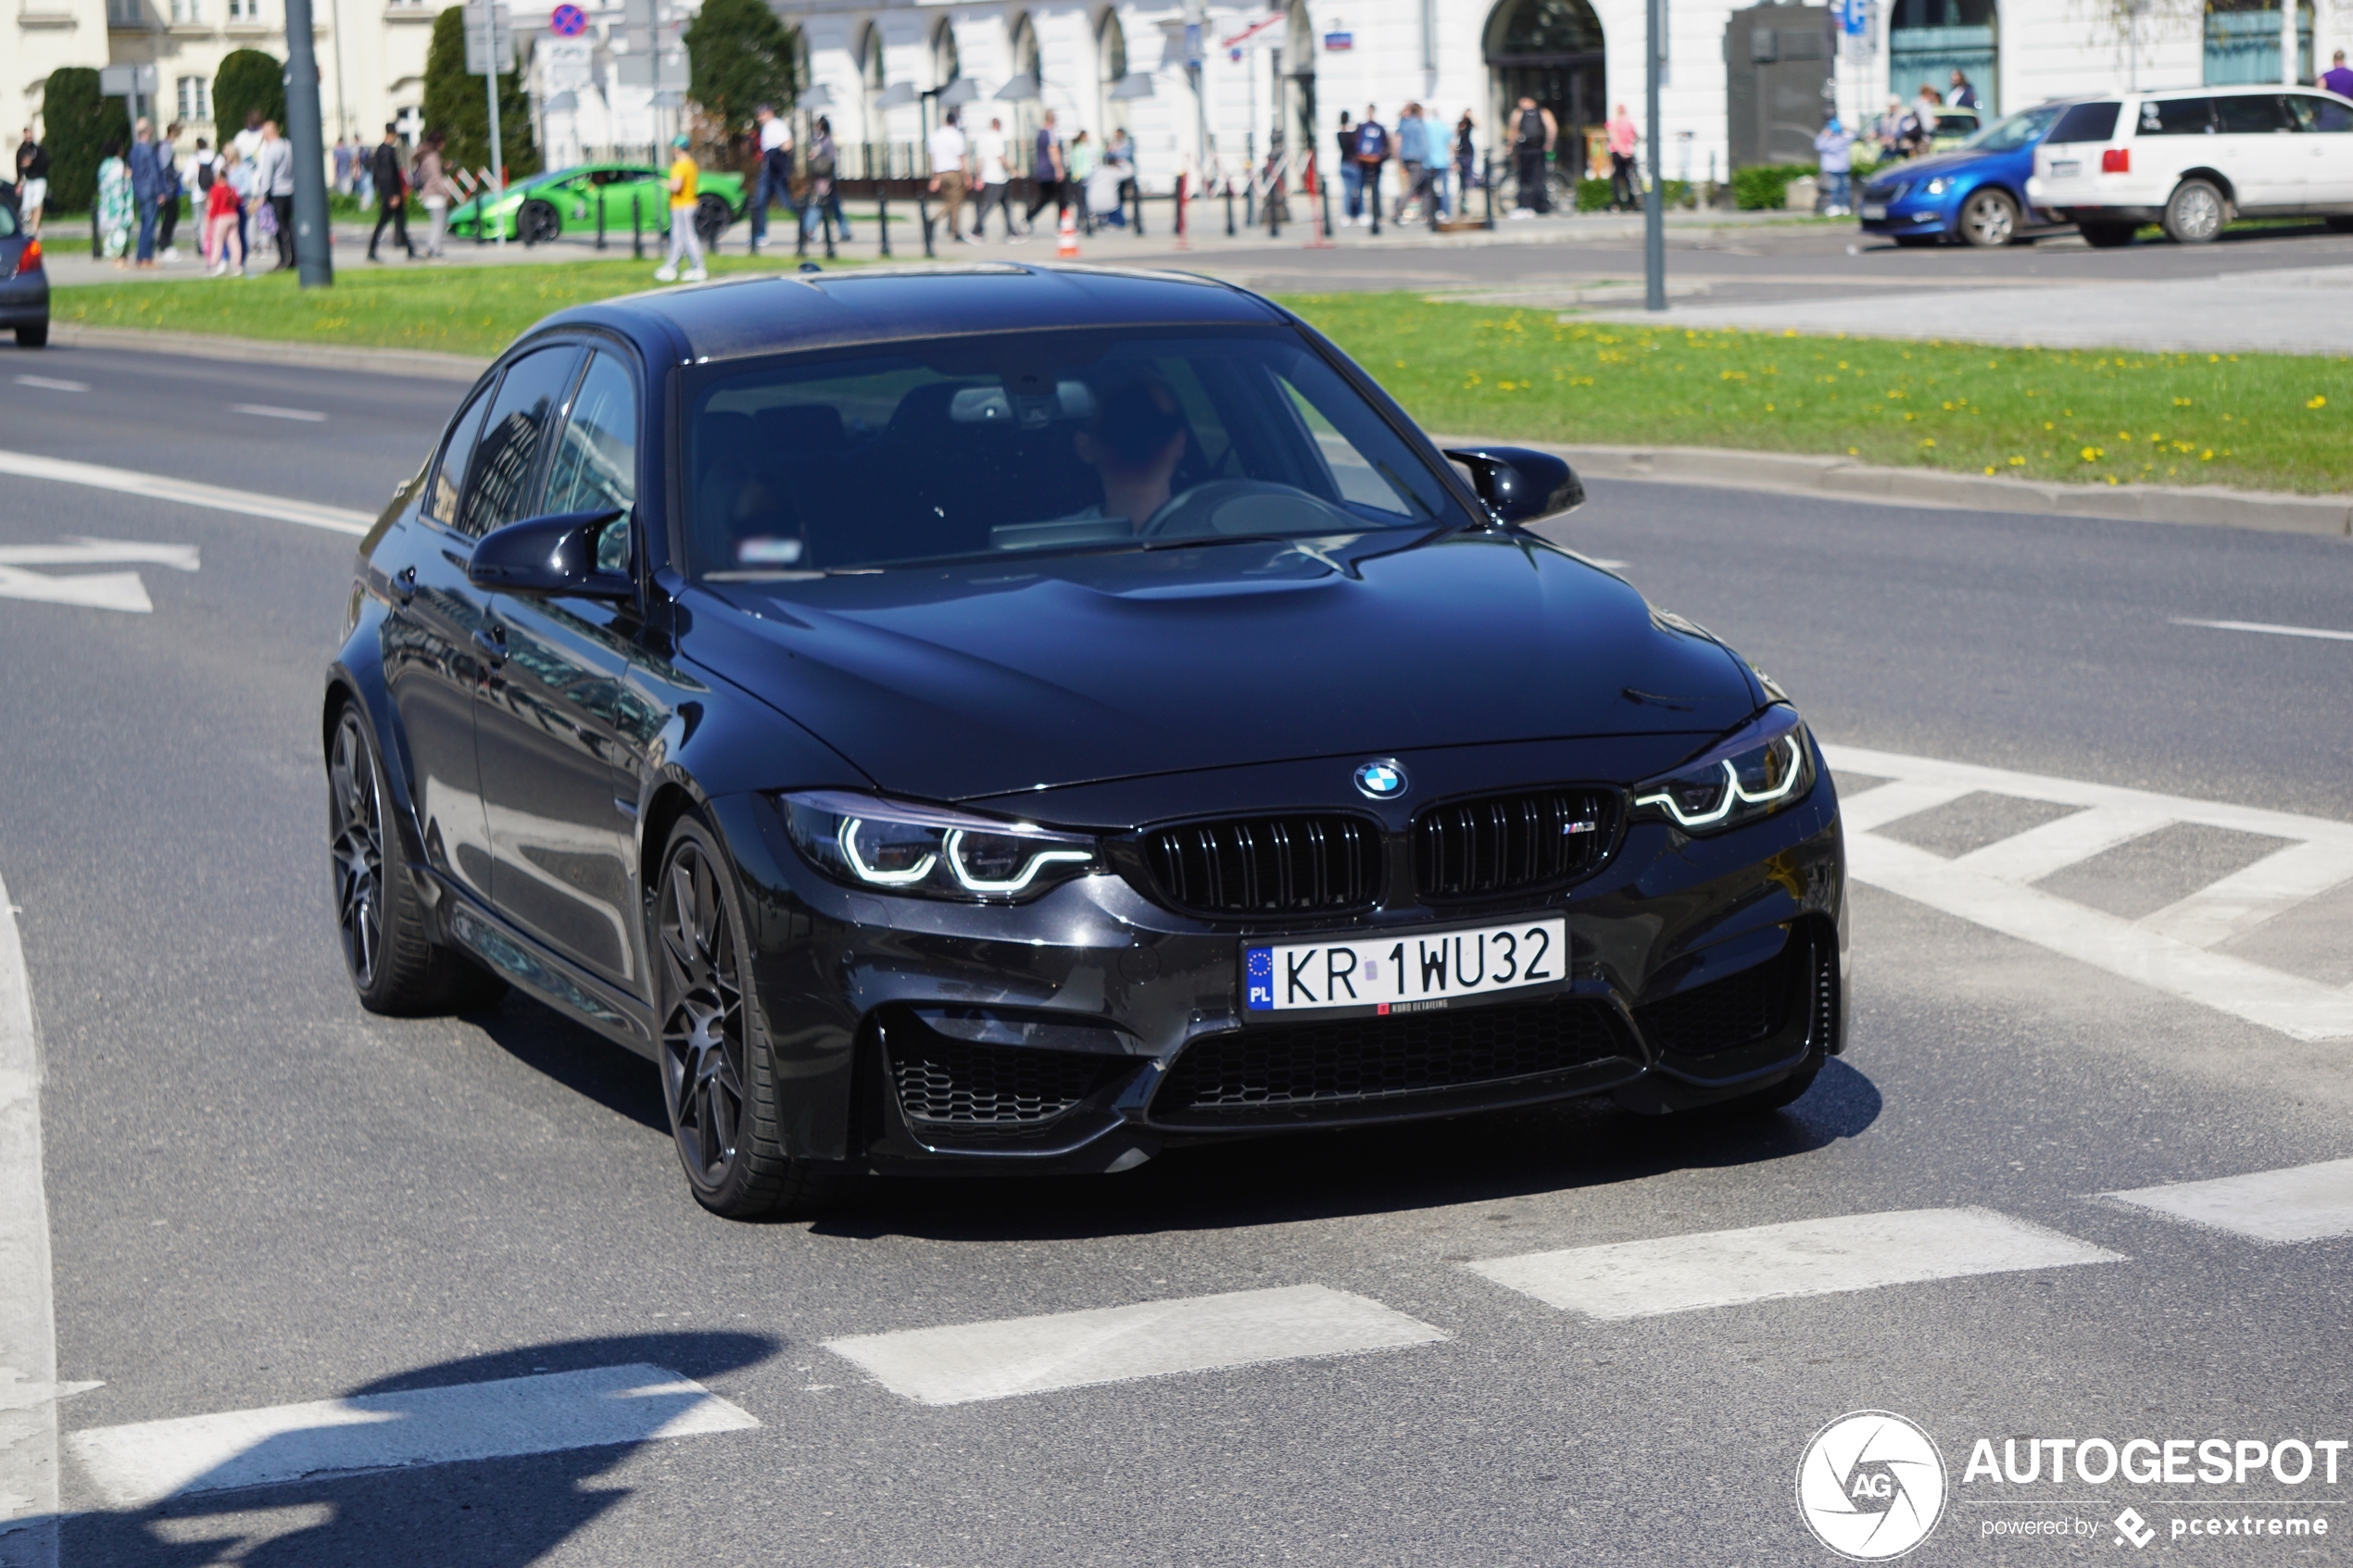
(2107, 236)
(719, 1075)
(2195, 213)
(387, 932)
(711, 218)
(537, 221)
(33, 337)
(1989, 220)
(2342, 225)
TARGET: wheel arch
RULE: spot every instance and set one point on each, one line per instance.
(356, 678)
(2213, 177)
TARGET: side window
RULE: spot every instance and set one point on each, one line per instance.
(498, 480)
(2321, 113)
(449, 471)
(2087, 122)
(2251, 114)
(2177, 116)
(595, 465)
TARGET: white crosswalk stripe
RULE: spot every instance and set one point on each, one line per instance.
(136, 1465)
(2303, 1203)
(2169, 949)
(993, 1360)
(1684, 1273)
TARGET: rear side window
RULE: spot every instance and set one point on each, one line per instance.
(2321, 113)
(498, 480)
(2087, 122)
(2177, 116)
(2252, 114)
(449, 473)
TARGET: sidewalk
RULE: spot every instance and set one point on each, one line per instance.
(2293, 311)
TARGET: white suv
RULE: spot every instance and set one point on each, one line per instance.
(2194, 158)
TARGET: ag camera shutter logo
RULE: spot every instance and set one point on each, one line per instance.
(1871, 1485)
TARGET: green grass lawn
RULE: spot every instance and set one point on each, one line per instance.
(2257, 421)
(453, 310)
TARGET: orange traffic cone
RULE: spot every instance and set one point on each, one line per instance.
(1068, 247)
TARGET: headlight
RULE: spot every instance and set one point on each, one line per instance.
(1768, 765)
(930, 851)
(1936, 187)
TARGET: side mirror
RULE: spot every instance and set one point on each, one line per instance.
(1520, 485)
(548, 555)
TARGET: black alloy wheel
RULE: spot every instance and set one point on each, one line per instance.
(537, 221)
(1989, 218)
(2341, 224)
(33, 336)
(717, 1077)
(2195, 213)
(388, 948)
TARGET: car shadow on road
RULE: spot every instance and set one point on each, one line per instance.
(493, 1512)
(576, 1057)
(1291, 1177)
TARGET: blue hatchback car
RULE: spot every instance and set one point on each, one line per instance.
(1976, 193)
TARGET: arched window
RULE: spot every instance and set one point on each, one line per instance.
(1551, 51)
(870, 79)
(1024, 92)
(945, 66)
(1111, 65)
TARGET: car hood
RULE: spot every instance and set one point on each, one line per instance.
(1929, 168)
(960, 681)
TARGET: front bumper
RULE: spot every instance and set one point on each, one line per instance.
(1092, 1028)
(1905, 216)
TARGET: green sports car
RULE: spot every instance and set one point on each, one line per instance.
(548, 206)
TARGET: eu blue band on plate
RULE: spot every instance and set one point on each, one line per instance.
(1258, 979)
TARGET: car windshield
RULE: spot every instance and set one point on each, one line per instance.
(1038, 442)
(2013, 132)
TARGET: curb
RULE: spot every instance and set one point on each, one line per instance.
(262, 351)
(1840, 479)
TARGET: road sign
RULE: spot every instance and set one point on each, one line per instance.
(121, 81)
(567, 62)
(567, 21)
(490, 40)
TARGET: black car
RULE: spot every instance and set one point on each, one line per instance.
(1027, 717)
(24, 283)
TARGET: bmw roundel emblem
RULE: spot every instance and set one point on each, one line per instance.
(1380, 780)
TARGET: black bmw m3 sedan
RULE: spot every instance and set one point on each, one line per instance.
(1027, 717)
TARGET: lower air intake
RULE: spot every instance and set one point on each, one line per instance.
(958, 1085)
(1801, 980)
(1365, 1066)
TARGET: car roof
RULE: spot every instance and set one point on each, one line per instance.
(783, 312)
(2240, 90)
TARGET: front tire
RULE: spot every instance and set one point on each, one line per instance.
(718, 1073)
(2195, 213)
(537, 221)
(387, 932)
(33, 337)
(1989, 220)
(711, 218)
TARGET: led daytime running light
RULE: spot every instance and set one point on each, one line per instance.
(1037, 861)
(847, 837)
(1733, 794)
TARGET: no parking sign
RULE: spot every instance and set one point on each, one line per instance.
(567, 21)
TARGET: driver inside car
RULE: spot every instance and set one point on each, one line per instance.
(1134, 442)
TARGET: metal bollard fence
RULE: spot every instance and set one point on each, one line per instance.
(826, 216)
(636, 227)
(1229, 209)
(882, 218)
(923, 209)
(600, 220)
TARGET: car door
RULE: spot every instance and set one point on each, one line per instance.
(2327, 139)
(632, 193)
(555, 780)
(2260, 151)
(433, 665)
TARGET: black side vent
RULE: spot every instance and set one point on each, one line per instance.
(1267, 865)
(1511, 843)
(1798, 983)
(955, 1084)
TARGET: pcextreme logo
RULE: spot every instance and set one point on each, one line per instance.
(1871, 1485)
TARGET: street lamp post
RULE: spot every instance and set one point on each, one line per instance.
(315, 266)
(1654, 204)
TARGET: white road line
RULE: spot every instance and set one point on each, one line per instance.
(2304, 1009)
(137, 1465)
(103, 552)
(2054, 845)
(2269, 630)
(53, 383)
(269, 411)
(2248, 897)
(91, 590)
(129, 482)
(28, 1330)
(994, 1360)
(1893, 801)
(1684, 1273)
(2306, 1203)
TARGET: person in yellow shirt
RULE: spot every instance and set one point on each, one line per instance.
(683, 242)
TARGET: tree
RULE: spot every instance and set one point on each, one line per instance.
(457, 107)
(740, 56)
(248, 80)
(75, 123)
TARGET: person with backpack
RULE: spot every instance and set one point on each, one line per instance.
(1351, 176)
(822, 199)
(1372, 150)
(1533, 136)
(392, 193)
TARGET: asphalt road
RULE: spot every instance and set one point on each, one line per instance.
(261, 1196)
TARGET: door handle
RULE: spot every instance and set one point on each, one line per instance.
(492, 641)
(404, 583)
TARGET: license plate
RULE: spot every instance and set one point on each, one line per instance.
(1383, 972)
(2062, 169)
(1874, 213)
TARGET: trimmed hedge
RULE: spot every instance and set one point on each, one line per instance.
(1594, 195)
(75, 123)
(1765, 187)
(247, 81)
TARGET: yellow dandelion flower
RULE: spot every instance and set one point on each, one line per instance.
(2207, 456)
(2317, 402)
(2092, 454)
(1989, 467)
(1928, 441)
(2111, 479)
(1854, 451)
(2018, 462)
